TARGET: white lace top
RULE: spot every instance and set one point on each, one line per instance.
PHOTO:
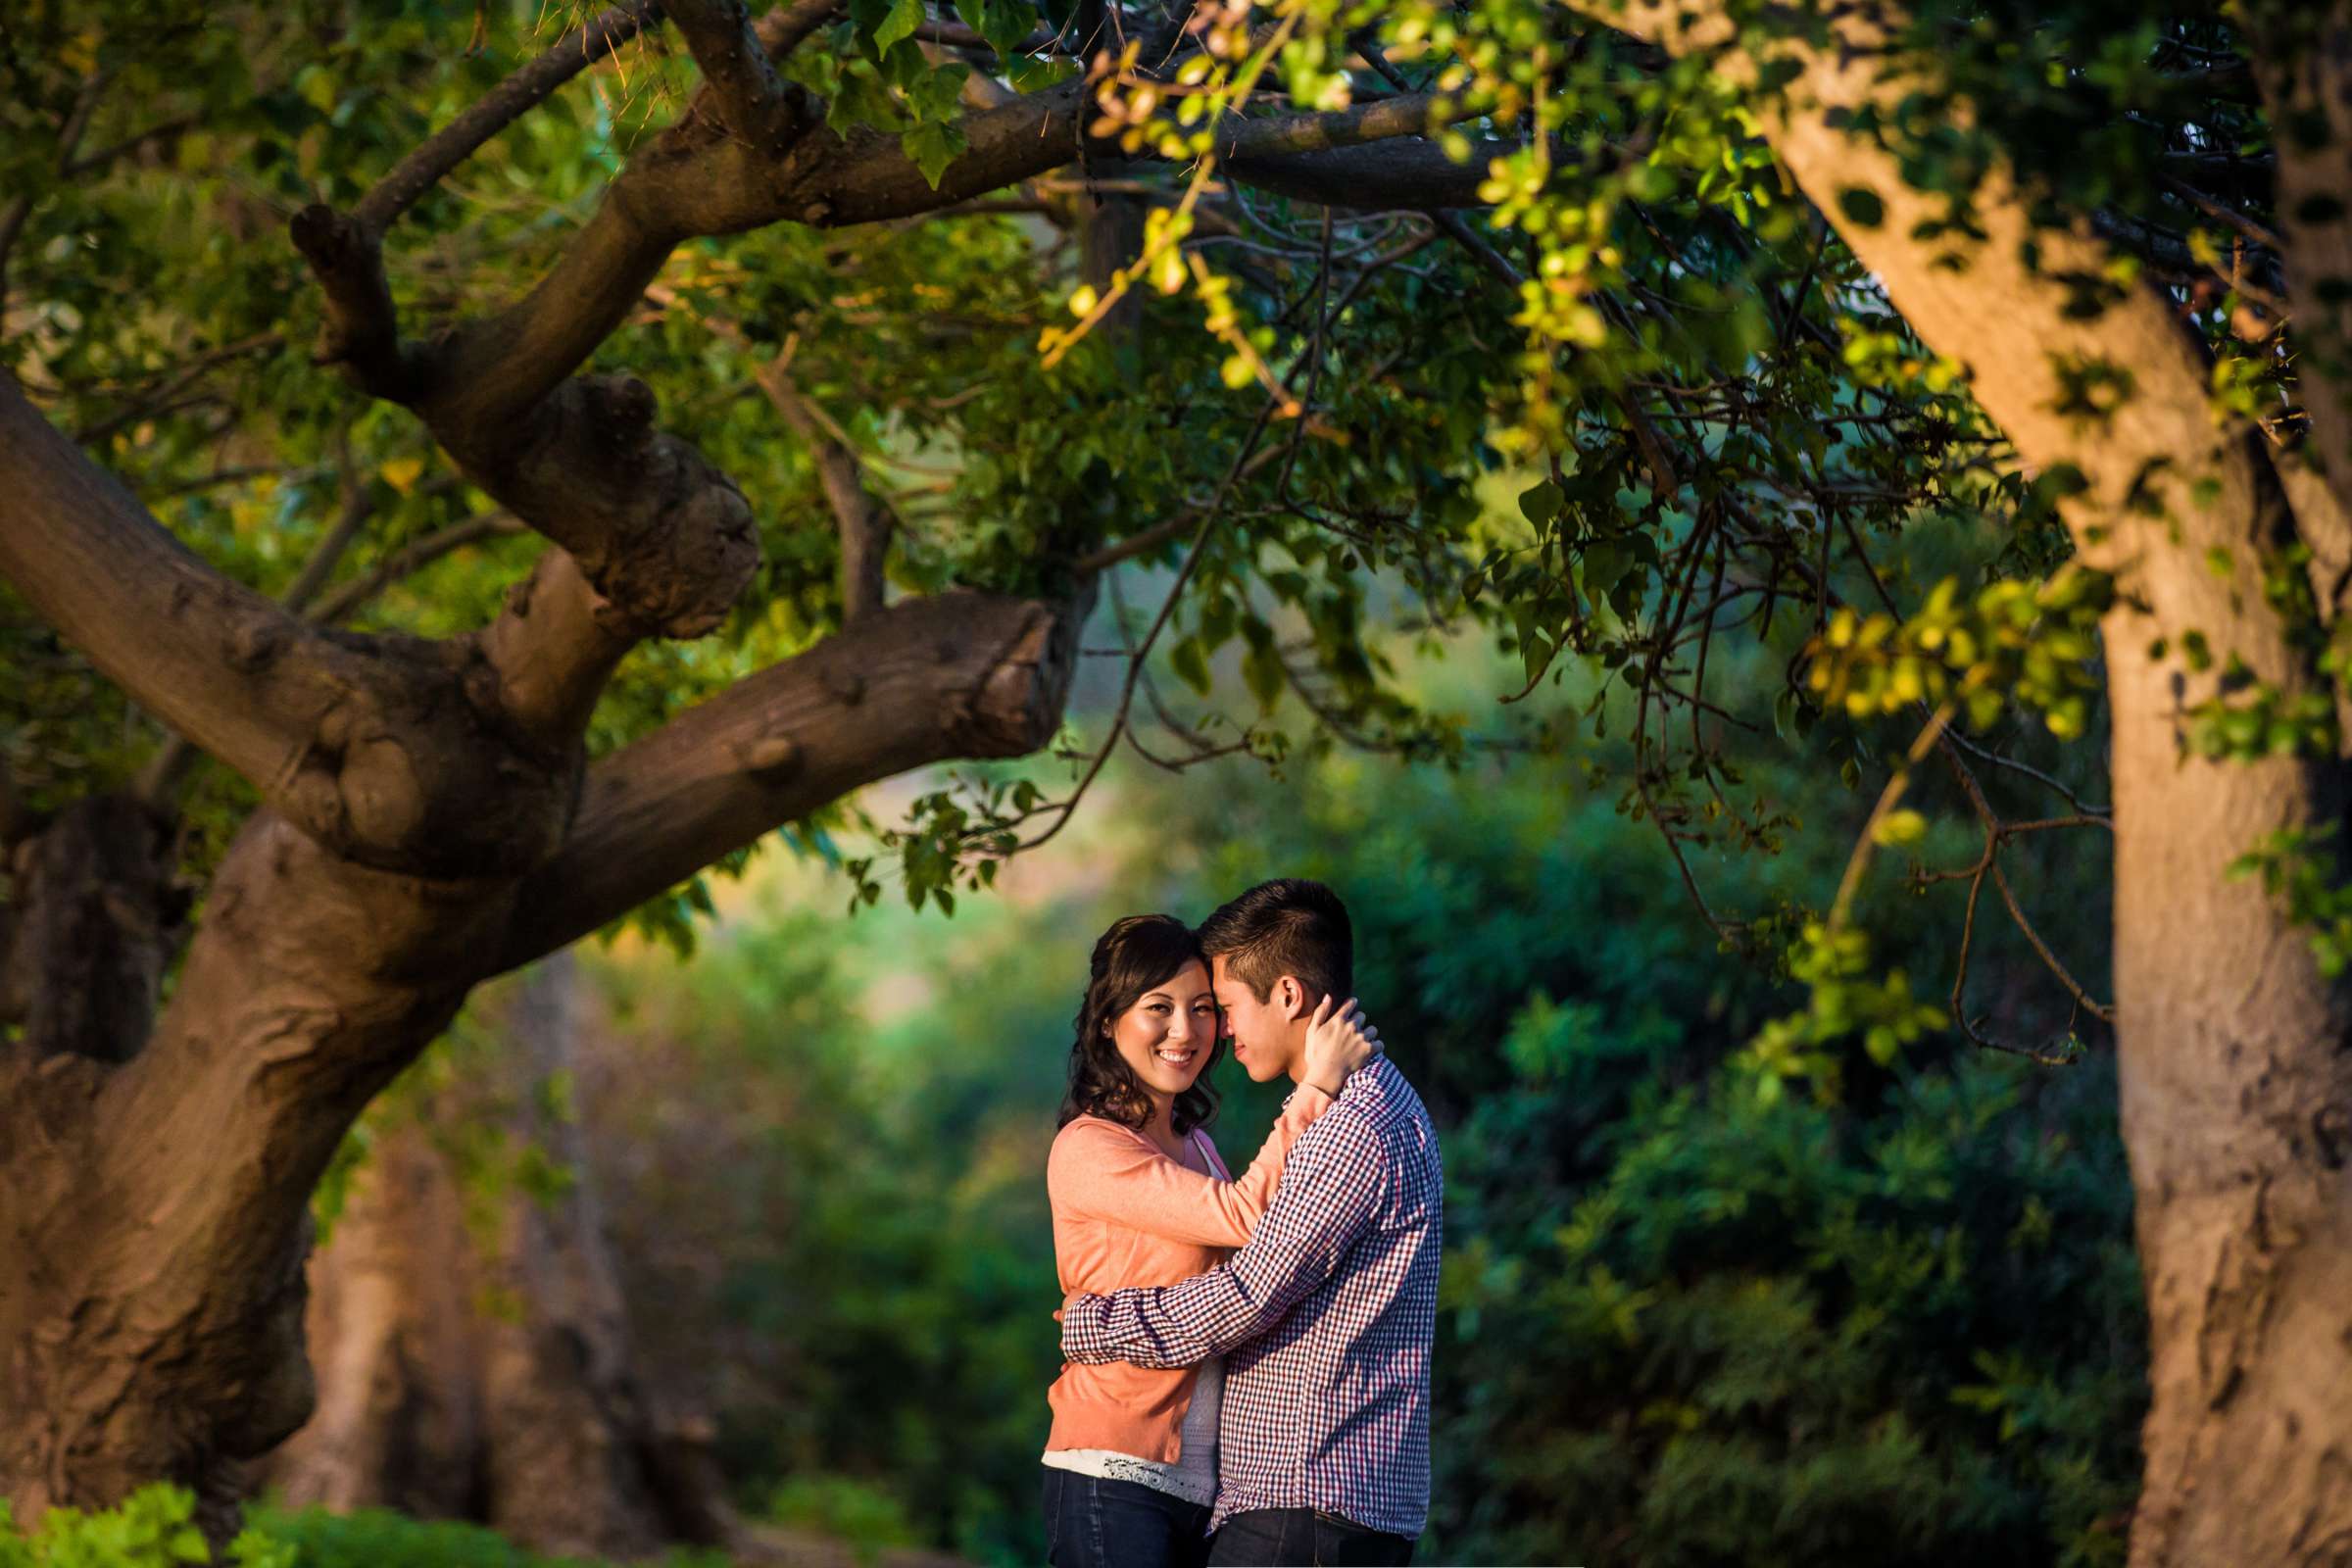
(1193, 1475)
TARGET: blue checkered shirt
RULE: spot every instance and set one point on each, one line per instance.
(1325, 1320)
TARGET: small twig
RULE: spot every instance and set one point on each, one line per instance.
(1184, 574)
(1994, 833)
(2221, 214)
(414, 558)
(351, 519)
(1889, 798)
(497, 109)
(1159, 533)
(2001, 759)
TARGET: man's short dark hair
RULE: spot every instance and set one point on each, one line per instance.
(1287, 927)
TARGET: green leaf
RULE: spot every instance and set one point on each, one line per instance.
(933, 146)
(1005, 26)
(1191, 664)
(1261, 666)
(899, 21)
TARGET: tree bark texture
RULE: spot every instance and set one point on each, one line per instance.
(2237, 1082)
(473, 1350)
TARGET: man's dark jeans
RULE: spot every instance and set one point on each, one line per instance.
(1276, 1538)
(1094, 1523)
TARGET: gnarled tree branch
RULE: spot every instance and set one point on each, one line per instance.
(388, 751)
(957, 674)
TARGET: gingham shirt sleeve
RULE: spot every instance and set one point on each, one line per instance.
(1328, 1198)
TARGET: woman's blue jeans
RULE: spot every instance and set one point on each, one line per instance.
(1094, 1523)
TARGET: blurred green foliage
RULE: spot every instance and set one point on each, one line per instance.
(1684, 1322)
(376, 1538)
(154, 1528)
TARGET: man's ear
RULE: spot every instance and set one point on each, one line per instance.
(1293, 996)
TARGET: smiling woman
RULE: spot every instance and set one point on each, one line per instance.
(1147, 1033)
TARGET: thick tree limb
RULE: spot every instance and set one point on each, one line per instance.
(159, 780)
(1279, 135)
(554, 646)
(959, 674)
(1312, 155)
(1408, 174)
(209, 658)
(665, 537)
(361, 331)
(757, 105)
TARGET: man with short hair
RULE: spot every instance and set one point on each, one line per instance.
(1326, 1317)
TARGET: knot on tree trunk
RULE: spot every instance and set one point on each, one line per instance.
(665, 539)
(416, 770)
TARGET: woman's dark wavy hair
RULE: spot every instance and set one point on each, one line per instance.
(1134, 956)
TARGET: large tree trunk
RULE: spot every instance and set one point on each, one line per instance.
(472, 1349)
(155, 1211)
(2236, 1078)
(2238, 1114)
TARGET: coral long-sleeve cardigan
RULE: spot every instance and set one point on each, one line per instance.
(1124, 1213)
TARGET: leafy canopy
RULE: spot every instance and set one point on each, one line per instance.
(1639, 406)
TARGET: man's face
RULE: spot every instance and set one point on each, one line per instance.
(1259, 1030)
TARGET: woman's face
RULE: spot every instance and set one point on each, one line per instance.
(1165, 1036)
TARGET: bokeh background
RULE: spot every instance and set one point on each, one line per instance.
(1690, 1315)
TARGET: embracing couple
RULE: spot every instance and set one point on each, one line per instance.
(1268, 1405)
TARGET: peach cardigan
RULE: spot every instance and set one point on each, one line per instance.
(1124, 1213)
